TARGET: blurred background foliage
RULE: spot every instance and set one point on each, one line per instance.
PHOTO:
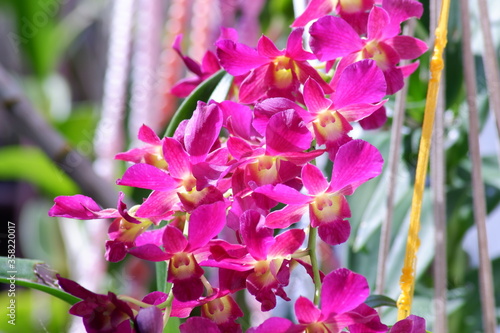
(57, 51)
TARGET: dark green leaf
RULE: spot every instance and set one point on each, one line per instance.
(380, 300)
(32, 165)
(201, 93)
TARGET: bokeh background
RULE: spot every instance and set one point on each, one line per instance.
(94, 71)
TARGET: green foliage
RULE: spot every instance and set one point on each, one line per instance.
(32, 274)
(32, 165)
(202, 93)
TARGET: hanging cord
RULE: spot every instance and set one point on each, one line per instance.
(407, 280)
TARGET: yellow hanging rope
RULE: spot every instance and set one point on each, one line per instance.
(407, 280)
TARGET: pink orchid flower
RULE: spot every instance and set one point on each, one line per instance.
(209, 65)
(268, 71)
(265, 260)
(332, 38)
(353, 11)
(342, 295)
(355, 163)
(183, 268)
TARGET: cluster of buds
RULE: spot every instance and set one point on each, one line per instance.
(230, 186)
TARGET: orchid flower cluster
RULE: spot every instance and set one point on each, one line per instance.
(229, 188)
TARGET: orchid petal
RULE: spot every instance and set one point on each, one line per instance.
(238, 59)
(407, 47)
(334, 232)
(284, 194)
(314, 10)
(313, 179)
(287, 132)
(209, 63)
(202, 130)
(150, 320)
(146, 134)
(376, 120)
(361, 82)
(357, 112)
(412, 324)
(147, 176)
(192, 65)
(306, 71)
(314, 97)
(276, 325)
(377, 21)
(285, 217)
(173, 240)
(201, 228)
(238, 119)
(149, 252)
(287, 243)
(332, 37)
(394, 78)
(294, 47)
(199, 324)
(409, 69)
(306, 311)
(266, 48)
(252, 89)
(177, 159)
(257, 237)
(401, 10)
(80, 207)
(343, 291)
(366, 320)
(154, 236)
(159, 203)
(355, 163)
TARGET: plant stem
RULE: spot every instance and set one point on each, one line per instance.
(132, 300)
(311, 245)
(167, 305)
(486, 285)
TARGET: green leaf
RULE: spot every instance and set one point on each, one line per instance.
(172, 325)
(380, 300)
(32, 165)
(33, 274)
(202, 93)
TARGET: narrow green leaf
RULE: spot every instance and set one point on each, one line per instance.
(380, 300)
(33, 274)
(202, 93)
(32, 165)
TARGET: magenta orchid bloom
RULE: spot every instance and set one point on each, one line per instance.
(411, 324)
(218, 314)
(192, 165)
(264, 262)
(355, 163)
(358, 94)
(183, 269)
(151, 153)
(342, 295)
(108, 314)
(209, 65)
(353, 11)
(332, 38)
(123, 231)
(268, 71)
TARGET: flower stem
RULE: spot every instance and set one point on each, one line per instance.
(168, 308)
(132, 300)
(311, 245)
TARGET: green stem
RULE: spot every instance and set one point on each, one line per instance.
(311, 245)
(132, 300)
(168, 308)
